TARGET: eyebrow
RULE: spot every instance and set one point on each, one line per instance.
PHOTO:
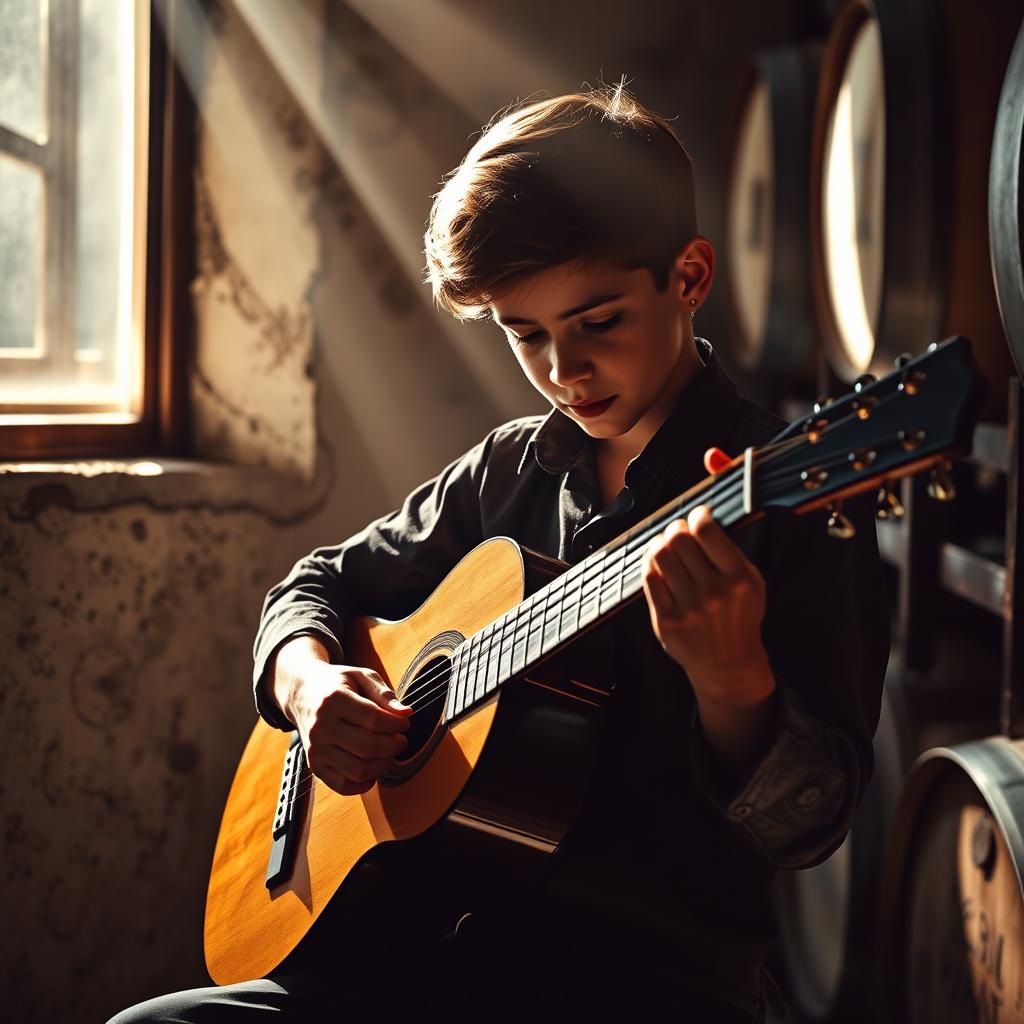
(595, 300)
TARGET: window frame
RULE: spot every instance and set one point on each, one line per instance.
(163, 425)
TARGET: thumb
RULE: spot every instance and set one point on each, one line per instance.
(715, 460)
(382, 695)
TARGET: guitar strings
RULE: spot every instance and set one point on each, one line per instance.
(728, 504)
(717, 488)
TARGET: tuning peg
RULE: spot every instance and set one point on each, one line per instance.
(863, 381)
(940, 483)
(888, 505)
(838, 525)
(902, 359)
(910, 383)
(822, 404)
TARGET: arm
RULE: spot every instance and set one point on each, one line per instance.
(787, 680)
(347, 717)
(387, 569)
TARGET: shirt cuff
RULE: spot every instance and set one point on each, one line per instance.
(791, 805)
(266, 648)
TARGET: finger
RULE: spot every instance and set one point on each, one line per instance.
(673, 577)
(346, 705)
(659, 594)
(358, 769)
(368, 744)
(683, 549)
(371, 684)
(340, 784)
(714, 541)
(715, 460)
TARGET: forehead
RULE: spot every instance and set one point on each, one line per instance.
(551, 293)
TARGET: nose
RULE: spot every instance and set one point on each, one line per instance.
(569, 363)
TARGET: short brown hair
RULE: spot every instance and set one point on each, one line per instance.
(590, 175)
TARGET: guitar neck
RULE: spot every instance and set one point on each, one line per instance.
(588, 593)
(885, 429)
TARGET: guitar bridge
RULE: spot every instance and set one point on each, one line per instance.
(292, 799)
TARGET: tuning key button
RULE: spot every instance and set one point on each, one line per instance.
(838, 525)
(910, 383)
(940, 483)
(863, 406)
(902, 359)
(863, 381)
(822, 404)
(813, 478)
(863, 458)
(814, 428)
(887, 505)
(911, 440)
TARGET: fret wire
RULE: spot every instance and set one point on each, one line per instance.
(533, 640)
(552, 614)
(494, 651)
(456, 660)
(480, 686)
(505, 653)
(519, 646)
(466, 674)
(466, 681)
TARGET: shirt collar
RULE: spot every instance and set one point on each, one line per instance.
(702, 416)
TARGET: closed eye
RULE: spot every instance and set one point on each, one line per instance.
(602, 325)
(593, 326)
(528, 339)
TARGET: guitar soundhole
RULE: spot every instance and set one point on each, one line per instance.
(427, 692)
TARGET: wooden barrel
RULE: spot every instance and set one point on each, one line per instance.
(904, 117)
(828, 916)
(767, 255)
(952, 896)
(1006, 204)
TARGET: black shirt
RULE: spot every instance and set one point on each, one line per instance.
(669, 853)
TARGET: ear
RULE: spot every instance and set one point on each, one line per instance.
(695, 270)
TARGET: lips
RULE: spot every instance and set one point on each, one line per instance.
(588, 409)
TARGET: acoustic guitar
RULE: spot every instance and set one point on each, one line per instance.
(504, 730)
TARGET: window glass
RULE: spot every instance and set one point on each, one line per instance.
(21, 72)
(21, 223)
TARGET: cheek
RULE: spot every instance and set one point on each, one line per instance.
(536, 368)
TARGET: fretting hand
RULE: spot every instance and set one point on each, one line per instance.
(707, 601)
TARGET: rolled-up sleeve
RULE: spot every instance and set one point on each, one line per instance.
(386, 570)
(827, 635)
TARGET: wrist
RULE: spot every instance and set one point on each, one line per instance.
(287, 667)
(746, 685)
(739, 729)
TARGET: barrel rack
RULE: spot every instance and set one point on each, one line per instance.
(928, 563)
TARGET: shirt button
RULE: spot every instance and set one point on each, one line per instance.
(809, 797)
(743, 811)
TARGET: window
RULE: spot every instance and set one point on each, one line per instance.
(92, 123)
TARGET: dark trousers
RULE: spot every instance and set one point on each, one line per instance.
(454, 979)
(377, 954)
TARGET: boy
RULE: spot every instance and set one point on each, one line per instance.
(738, 738)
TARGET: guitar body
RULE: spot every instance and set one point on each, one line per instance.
(486, 780)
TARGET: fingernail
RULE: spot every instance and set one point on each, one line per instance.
(398, 705)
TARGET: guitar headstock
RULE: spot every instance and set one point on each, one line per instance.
(921, 413)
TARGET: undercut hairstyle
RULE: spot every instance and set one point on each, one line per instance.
(590, 176)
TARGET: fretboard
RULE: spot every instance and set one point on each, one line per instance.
(587, 593)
